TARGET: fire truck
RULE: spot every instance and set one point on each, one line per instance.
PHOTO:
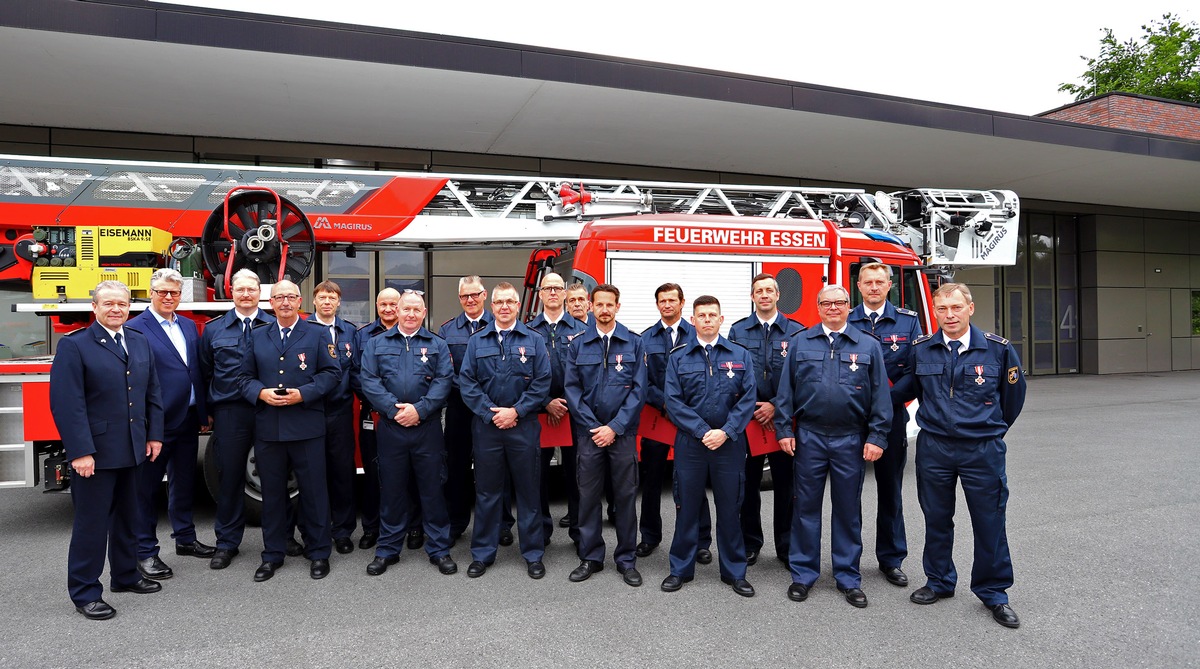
(68, 224)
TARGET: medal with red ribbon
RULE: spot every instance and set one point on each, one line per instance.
(854, 362)
(783, 349)
(521, 350)
(619, 367)
(729, 366)
(979, 374)
(349, 351)
(895, 346)
(303, 366)
(424, 358)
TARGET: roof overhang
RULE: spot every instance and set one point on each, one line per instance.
(116, 65)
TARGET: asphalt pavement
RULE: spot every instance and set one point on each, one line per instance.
(1102, 521)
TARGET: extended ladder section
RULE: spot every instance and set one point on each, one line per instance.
(954, 228)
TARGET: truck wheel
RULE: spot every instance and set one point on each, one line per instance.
(253, 490)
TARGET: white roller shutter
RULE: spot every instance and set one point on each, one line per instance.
(639, 274)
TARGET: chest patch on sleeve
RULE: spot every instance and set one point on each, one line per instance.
(1013, 374)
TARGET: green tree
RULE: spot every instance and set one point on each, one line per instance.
(1164, 63)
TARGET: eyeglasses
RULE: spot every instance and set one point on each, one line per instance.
(244, 290)
(505, 303)
(414, 292)
(286, 298)
(166, 293)
(553, 289)
(830, 304)
(472, 296)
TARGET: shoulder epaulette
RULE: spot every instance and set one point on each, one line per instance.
(922, 339)
(72, 334)
(678, 347)
(906, 312)
(259, 324)
(996, 338)
(364, 327)
(352, 324)
(448, 321)
(746, 318)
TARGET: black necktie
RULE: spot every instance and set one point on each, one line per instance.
(833, 337)
(670, 334)
(605, 338)
(708, 357)
(474, 325)
(284, 337)
(120, 346)
(874, 320)
(246, 327)
(954, 345)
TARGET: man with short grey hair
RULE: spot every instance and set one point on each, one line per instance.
(175, 342)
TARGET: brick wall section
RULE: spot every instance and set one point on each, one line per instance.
(1134, 112)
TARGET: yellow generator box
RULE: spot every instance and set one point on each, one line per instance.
(71, 261)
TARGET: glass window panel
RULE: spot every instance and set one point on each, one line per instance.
(1068, 358)
(1068, 270)
(1043, 358)
(402, 284)
(1044, 320)
(337, 264)
(357, 304)
(1016, 315)
(1015, 275)
(403, 263)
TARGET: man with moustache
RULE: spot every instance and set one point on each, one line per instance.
(175, 342)
(505, 381)
(406, 373)
(288, 368)
(232, 418)
(605, 386)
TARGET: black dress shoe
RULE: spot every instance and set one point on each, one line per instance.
(445, 564)
(895, 576)
(565, 521)
(751, 558)
(294, 548)
(630, 575)
(142, 587)
(704, 556)
(506, 536)
(644, 549)
(154, 569)
(97, 610)
(476, 569)
(536, 569)
(926, 595)
(368, 540)
(673, 583)
(343, 545)
(585, 570)
(266, 570)
(740, 585)
(195, 549)
(856, 597)
(319, 569)
(380, 564)
(1004, 614)
(416, 539)
(797, 592)
(222, 558)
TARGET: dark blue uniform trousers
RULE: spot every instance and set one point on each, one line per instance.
(233, 437)
(307, 458)
(501, 454)
(106, 510)
(340, 470)
(654, 470)
(841, 459)
(618, 463)
(460, 479)
(368, 494)
(412, 456)
(695, 465)
(781, 477)
(177, 460)
(891, 545)
(570, 475)
(979, 464)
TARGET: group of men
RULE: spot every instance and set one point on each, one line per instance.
(832, 396)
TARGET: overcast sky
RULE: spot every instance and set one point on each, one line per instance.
(1001, 56)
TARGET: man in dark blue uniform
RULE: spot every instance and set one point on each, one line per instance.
(505, 381)
(232, 418)
(659, 339)
(896, 329)
(971, 390)
(287, 370)
(710, 397)
(834, 391)
(105, 399)
(605, 385)
(387, 306)
(406, 374)
(460, 474)
(557, 328)
(174, 340)
(765, 333)
(340, 469)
